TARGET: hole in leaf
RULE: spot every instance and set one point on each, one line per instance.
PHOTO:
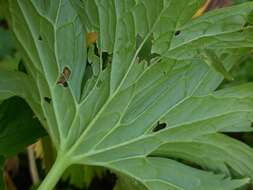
(107, 59)
(159, 126)
(47, 99)
(4, 24)
(91, 37)
(236, 135)
(178, 158)
(21, 67)
(64, 77)
(145, 53)
(106, 182)
(65, 84)
(40, 38)
(246, 24)
(177, 32)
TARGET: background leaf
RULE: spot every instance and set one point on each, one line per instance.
(6, 43)
(18, 127)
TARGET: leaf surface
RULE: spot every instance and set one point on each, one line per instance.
(234, 158)
(161, 173)
(131, 108)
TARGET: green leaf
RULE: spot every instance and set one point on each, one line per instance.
(4, 12)
(212, 60)
(6, 43)
(10, 63)
(125, 183)
(75, 175)
(133, 107)
(163, 174)
(50, 48)
(94, 60)
(19, 127)
(218, 29)
(13, 84)
(235, 158)
(81, 176)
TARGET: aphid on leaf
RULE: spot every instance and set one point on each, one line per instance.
(64, 77)
(159, 126)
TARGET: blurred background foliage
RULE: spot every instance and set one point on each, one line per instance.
(18, 163)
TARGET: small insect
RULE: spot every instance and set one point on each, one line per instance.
(159, 126)
(64, 77)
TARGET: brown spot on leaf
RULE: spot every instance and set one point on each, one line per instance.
(212, 4)
(215, 4)
(64, 77)
(91, 38)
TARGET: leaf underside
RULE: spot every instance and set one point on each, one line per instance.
(111, 119)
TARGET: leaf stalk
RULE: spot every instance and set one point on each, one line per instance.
(55, 173)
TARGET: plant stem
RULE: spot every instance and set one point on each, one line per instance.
(55, 173)
(32, 165)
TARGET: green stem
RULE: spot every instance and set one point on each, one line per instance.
(55, 173)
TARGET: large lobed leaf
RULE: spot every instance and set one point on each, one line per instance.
(136, 110)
